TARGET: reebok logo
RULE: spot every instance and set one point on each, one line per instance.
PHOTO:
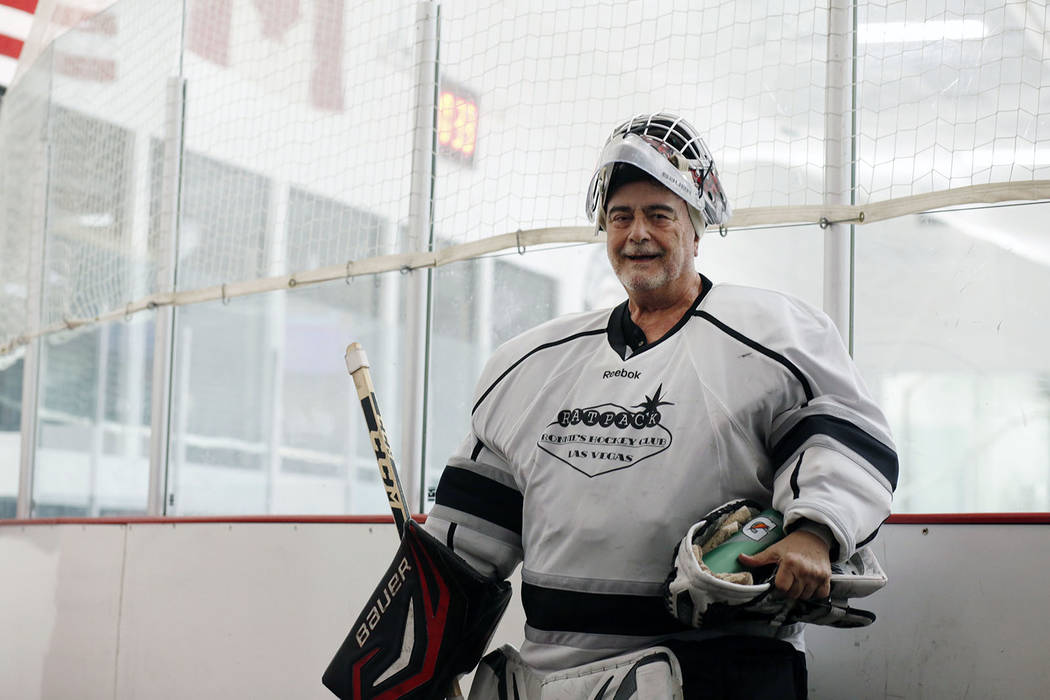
(625, 374)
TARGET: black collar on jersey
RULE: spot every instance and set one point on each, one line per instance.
(627, 339)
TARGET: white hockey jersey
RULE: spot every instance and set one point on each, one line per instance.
(592, 452)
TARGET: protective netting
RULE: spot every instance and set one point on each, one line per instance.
(555, 78)
(170, 153)
(951, 94)
(22, 192)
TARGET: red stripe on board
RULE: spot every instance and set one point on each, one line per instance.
(970, 519)
(217, 519)
(23, 5)
(900, 519)
(10, 46)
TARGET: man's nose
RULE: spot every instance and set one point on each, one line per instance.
(639, 230)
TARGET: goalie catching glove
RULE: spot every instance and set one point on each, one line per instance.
(700, 598)
(428, 621)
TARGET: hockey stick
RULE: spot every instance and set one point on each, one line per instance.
(357, 365)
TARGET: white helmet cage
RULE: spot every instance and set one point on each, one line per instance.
(668, 148)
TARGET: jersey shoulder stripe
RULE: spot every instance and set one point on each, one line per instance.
(775, 356)
(552, 334)
(880, 456)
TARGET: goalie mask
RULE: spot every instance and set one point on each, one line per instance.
(700, 598)
(669, 149)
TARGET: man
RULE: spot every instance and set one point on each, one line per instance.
(598, 438)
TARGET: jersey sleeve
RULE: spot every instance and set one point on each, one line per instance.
(477, 509)
(834, 458)
(478, 505)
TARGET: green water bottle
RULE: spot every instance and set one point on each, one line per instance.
(758, 533)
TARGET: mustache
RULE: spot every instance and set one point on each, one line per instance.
(634, 252)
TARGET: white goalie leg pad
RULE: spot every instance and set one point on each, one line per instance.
(502, 674)
(648, 674)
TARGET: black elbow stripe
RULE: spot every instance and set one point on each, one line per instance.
(555, 610)
(466, 491)
(876, 453)
(867, 539)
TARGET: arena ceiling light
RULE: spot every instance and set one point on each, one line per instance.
(920, 31)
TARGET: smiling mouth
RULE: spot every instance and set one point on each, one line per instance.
(641, 257)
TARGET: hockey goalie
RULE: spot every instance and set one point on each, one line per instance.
(612, 452)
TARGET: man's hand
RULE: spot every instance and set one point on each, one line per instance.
(805, 566)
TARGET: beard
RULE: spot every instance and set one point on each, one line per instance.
(647, 276)
(637, 281)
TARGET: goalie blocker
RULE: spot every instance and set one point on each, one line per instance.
(429, 619)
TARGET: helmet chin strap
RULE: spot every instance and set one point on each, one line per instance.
(699, 225)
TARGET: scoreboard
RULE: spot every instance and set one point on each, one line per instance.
(457, 123)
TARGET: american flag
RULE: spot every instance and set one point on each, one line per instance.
(209, 34)
(16, 18)
(47, 20)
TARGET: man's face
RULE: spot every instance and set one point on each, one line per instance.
(650, 239)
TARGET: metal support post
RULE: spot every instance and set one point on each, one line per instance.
(32, 360)
(27, 456)
(164, 321)
(276, 315)
(838, 165)
(420, 239)
(134, 351)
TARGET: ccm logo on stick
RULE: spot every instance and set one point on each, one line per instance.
(382, 603)
(377, 434)
(626, 374)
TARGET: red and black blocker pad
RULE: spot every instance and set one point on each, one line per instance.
(429, 620)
